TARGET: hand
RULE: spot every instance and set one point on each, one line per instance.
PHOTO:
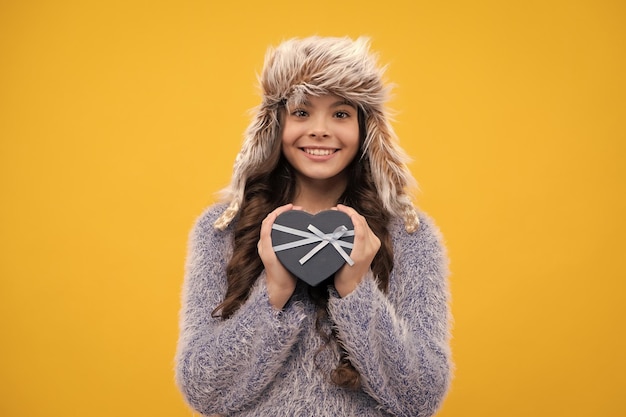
(366, 246)
(280, 283)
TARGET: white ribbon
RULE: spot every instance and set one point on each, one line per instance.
(316, 236)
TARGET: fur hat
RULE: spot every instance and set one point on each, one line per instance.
(315, 66)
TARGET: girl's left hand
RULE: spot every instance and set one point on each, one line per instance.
(366, 246)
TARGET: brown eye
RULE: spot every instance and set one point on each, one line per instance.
(342, 115)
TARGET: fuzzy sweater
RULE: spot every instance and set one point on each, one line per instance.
(262, 362)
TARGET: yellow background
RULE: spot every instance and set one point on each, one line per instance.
(120, 119)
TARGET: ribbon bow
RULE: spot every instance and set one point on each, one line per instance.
(317, 236)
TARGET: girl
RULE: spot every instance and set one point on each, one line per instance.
(373, 339)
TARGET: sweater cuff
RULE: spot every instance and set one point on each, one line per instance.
(257, 312)
(356, 306)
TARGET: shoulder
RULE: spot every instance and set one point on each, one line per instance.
(426, 235)
(209, 216)
(425, 246)
(203, 230)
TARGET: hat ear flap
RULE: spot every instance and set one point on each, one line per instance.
(389, 171)
(257, 147)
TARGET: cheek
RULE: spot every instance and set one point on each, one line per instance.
(351, 136)
(289, 134)
(287, 141)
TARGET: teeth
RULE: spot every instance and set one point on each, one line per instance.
(319, 152)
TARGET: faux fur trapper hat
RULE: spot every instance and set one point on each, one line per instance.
(315, 66)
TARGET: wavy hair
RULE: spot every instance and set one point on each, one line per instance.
(272, 185)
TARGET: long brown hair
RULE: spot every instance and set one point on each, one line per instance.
(272, 185)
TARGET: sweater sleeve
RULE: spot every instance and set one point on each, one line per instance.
(224, 365)
(399, 341)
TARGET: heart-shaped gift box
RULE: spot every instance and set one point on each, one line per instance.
(313, 247)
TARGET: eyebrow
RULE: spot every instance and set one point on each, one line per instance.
(342, 103)
(338, 103)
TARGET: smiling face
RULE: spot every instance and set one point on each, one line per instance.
(320, 138)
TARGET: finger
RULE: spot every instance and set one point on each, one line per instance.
(357, 220)
(280, 210)
(266, 225)
(352, 213)
(264, 245)
(346, 209)
(277, 212)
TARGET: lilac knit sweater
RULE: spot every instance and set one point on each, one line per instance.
(261, 362)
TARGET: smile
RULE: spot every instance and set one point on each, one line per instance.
(319, 152)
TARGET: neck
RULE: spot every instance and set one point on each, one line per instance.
(316, 195)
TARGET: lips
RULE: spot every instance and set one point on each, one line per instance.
(319, 151)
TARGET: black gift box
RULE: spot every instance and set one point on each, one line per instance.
(314, 258)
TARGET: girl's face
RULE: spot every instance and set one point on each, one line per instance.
(321, 138)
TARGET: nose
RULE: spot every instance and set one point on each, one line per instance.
(318, 128)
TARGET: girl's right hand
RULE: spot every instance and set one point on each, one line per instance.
(280, 283)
